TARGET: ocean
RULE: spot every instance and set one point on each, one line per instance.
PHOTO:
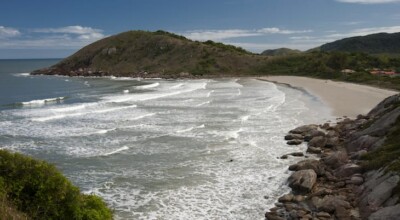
(156, 148)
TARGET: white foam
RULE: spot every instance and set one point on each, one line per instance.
(21, 74)
(142, 116)
(239, 92)
(209, 93)
(116, 151)
(190, 129)
(69, 108)
(153, 95)
(177, 86)
(54, 117)
(125, 91)
(245, 118)
(203, 103)
(43, 101)
(86, 83)
(153, 85)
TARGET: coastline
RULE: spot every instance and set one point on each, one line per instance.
(337, 183)
(345, 99)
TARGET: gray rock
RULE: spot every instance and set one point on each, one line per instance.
(332, 133)
(332, 142)
(323, 215)
(308, 164)
(383, 191)
(294, 142)
(382, 125)
(356, 180)
(342, 213)
(313, 133)
(297, 154)
(387, 213)
(286, 198)
(303, 180)
(362, 142)
(314, 150)
(391, 201)
(293, 136)
(348, 170)
(357, 155)
(336, 159)
(303, 129)
(317, 142)
(329, 203)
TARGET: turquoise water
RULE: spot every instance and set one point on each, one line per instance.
(159, 149)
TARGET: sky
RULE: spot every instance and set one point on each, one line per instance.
(58, 28)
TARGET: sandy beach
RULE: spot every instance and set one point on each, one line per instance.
(345, 99)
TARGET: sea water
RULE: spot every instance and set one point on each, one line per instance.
(159, 149)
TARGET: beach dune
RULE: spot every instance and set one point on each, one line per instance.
(345, 99)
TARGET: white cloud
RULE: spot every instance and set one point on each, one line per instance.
(6, 32)
(70, 37)
(84, 33)
(279, 31)
(366, 31)
(368, 1)
(218, 35)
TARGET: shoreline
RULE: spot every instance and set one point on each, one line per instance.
(344, 99)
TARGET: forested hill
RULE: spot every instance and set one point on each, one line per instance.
(154, 54)
(381, 43)
(280, 52)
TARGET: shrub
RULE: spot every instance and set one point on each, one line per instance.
(38, 189)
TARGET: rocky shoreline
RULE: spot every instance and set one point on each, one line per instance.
(337, 186)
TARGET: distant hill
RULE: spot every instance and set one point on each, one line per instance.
(280, 52)
(371, 44)
(154, 54)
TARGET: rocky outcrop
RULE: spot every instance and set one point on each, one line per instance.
(337, 186)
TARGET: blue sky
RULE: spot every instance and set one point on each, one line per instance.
(58, 28)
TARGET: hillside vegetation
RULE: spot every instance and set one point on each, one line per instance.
(34, 189)
(381, 43)
(167, 55)
(280, 52)
(141, 53)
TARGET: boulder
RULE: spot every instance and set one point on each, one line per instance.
(314, 150)
(348, 170)
(286, 198)
(387, 213)
(293, 136)
(308, 164)
(294, 142)
(336, 159)
(356, 180)
(303, 180)
(332, 142)
(297, 154)
(317, 142)
(332, 133)
(313, 133)
(303, 129)
(329, 203)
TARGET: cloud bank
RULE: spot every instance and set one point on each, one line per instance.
(218, 35)
(69, 37)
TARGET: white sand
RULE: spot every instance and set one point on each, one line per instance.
(345, 99)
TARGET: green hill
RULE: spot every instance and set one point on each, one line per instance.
(154, 54)
(381, 43)
(280, 52)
